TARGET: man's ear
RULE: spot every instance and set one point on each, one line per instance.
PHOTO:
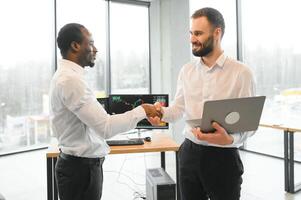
(75, 46)
(218, 32)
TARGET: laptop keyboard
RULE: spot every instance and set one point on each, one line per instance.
(136, 141)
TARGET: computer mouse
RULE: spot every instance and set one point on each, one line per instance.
(147, 139)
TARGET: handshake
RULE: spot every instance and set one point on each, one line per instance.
(153, 112)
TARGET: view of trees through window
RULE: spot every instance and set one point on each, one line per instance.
(26, 65)
(270, 46)
(129, 41)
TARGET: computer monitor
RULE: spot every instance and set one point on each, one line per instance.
(120, 103)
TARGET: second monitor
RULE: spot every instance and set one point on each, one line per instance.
(120, 103)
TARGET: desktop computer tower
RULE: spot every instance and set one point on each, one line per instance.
(159, 185)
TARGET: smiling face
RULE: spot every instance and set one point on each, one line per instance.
(87, 50)
(202, 37)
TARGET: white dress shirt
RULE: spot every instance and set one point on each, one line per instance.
(198, 83)
(79, 122)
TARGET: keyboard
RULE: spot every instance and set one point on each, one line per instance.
(135, 141)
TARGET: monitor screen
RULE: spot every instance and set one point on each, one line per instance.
(120, 103)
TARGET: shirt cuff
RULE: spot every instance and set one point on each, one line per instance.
(139, 112)
(164, 114)
(236, 138)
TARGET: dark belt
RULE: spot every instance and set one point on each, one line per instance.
(84, 160)
(208, 148)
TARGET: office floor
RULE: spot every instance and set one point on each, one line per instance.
(23, 176)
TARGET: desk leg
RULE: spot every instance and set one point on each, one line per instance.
(163, 160)
(55, 193)
(49, 179)
(291, 162)
(52, 193)
(286, 163)
(177, 177)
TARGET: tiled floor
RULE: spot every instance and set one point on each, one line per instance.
(23, 176)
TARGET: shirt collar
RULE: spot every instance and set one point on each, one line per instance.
(64, 63)
(220, 61)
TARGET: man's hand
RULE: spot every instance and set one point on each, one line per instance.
(151, 111)
(156, 121)
(220, 136)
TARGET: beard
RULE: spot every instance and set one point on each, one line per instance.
(88, 59)
(91, 64)
(91, 58)
(206, 47)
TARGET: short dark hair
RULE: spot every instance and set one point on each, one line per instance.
(214, 17)
(68, 34)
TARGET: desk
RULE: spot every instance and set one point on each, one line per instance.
(160, 143)
(289, 168)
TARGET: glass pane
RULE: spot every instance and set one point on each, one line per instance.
(228, 10)
(129, 45)
(27, 64)
(91, 14)
(271, 46)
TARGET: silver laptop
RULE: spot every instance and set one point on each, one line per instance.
(235, 115)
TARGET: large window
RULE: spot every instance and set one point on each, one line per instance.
(228, 10)
(26, 65)
(271, 46)
(129, 48)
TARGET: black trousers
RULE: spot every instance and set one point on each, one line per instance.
(79, 178)
(209, 172)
